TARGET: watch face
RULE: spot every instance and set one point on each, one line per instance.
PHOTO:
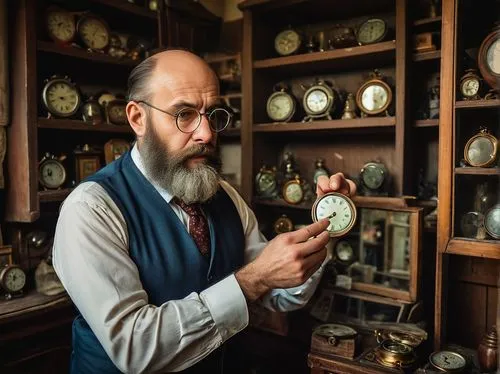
(492, 222)
(280, 107)
(339, 209)
(344, 251)
(52, 174)
(13, 279)
(94, 33)
(470, 224)
(338, 331)
(317, 101)
(266, 183)
(372, 31)
(493, 57)
(61, 26)
(293, 192)
(373, 176)
(447, 360)
(470, 87)
(61, 98)
(287, 42)
(480, 151)
(374, 98)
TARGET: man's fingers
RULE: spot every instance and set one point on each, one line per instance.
(313, 245)
(337, 183)
(311, 230)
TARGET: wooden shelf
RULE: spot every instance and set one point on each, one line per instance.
(426, 123)
(426, 56)
(366, 55)
(76, 125)
(128, 7)
(477, 171)
(358, 123)
(474, 248)
(360, 201)
(427, 21)
(83, 54)
(470, 104)
(51, 196)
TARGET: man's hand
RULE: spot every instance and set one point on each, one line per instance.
(336, 183)
(287, 261)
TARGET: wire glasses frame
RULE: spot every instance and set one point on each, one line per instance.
(188, 119)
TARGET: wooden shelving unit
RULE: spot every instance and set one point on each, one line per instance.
(476, 248)
(77, 125)
(426, 56)
(50, 196)
(475, 104)
(427, 21)
(337, 124)
(477, 171)
(426, 123)
(127, 7)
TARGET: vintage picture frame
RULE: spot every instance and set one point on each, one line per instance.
(86, 165)
(5, 255)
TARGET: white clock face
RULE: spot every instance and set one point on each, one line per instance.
(62, 99)
(344, 251)
(374, 97)
(480, 151)
(493, 57)
(339, 209)
(94, 33)
(371, 31)
(470, 87)
(280, 107)
(448, 360)
(287, 42)
(52, 174)
(492, 222)
(294, 193)
(14, 279)
(317, 101)
(61, 25)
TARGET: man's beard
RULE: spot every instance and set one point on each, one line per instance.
(169, 170)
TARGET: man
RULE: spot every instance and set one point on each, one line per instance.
(155, 292)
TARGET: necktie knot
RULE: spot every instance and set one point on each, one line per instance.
(191, 209)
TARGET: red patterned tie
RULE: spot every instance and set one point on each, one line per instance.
(198, 225)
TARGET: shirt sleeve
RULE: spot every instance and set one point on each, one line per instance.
(90, 256)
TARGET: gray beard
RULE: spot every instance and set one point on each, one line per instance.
(168, 169)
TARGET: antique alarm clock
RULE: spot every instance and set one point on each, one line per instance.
(61, 25)
(12, 281)
(375, 96)
(339, 209)
(394, 354)
(371, 31)
(492, 221)
(283, 224)
(344, 253)
(281, 104)
(319, 101)
(373, 178)
(293, 191)
(52, 173)
(287, 42)
(94, 32)
(61, 96)
(334, 339)
(481, 149)
(116, 113)
(470, 85)
(92, 112)
(488, 58)
(266, 184)
(447, 361)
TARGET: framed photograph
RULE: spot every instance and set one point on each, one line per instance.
(86, 165)
(5, 255)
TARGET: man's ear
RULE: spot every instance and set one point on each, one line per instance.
(136, 117)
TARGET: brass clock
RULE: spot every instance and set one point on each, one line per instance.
(488, 58)
(287, 42)
(371, 31)
(375, 96)
(92, 112)
(61, 25)
(283, 224)
(281, 104)
(319, 101)
(481, 149)
(116, 112)
(339, 209)
(394, 354)
(470, 85)
(94, 32)
(61, 96)
(293, 191)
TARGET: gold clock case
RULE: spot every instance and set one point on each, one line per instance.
(351, 204)
(483, 133)
(359, 94)
(403, 357)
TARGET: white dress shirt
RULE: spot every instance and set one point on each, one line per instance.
(90, 256)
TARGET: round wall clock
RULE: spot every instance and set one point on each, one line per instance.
(61, 25)
(94, 32)
(287, 42)
(339, 209)
(481, 149)
(281, 105)
(61, 96)
(374, 96)
(488, 58)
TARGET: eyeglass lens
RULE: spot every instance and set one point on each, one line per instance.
(188, 119)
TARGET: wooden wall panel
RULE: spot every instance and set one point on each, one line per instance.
(4, 72)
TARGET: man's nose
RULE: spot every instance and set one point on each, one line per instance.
(203, 134)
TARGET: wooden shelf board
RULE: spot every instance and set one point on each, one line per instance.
(477, 171)
(76, 125)
(360, 201)
(51, 196)
(83, 54)
(427, 21)
(426, 123)
(128, 7)
(425, 56)
(477, 104)
(358, 123)
(474, 248)
(386, 49)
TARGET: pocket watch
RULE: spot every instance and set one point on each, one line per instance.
(492, 221)
(320, 169)
(470, 85)
(394, 354)
(481, 149)
(339, 209)
(447, 361)
(374, 96)
(373, 176)
(61, 25)
(266, 184)
(488, 58)
(12, 280)
(287, 42)
(281, 104)
(283, 224)
(61, 96)
(92, 112)
(116, 113)
(293, 192)
(471, 225)
(371, 31)
(52, 173)
(344, 253)
(319, 101)
(93, 31)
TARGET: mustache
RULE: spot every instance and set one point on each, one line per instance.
(199, 150)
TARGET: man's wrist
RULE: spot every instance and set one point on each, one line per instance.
(251, 283)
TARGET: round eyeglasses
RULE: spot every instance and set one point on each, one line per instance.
(188, 119)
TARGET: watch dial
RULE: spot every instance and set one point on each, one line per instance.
(371, 31)
(94, 33)
(492, 222)
(266, 183)
(52, 174)
(493, 57)
(374, 97)
(294, 193)
(14, 279)
(470, 224)
(338, 209)
(344, 251)
(61, 25)
(470, 87)
(287, 42)
(480, 151)
(62, 98)
(447, 360)
(280, 107)
(317, 101)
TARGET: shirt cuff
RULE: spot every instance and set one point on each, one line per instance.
(227, 305)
